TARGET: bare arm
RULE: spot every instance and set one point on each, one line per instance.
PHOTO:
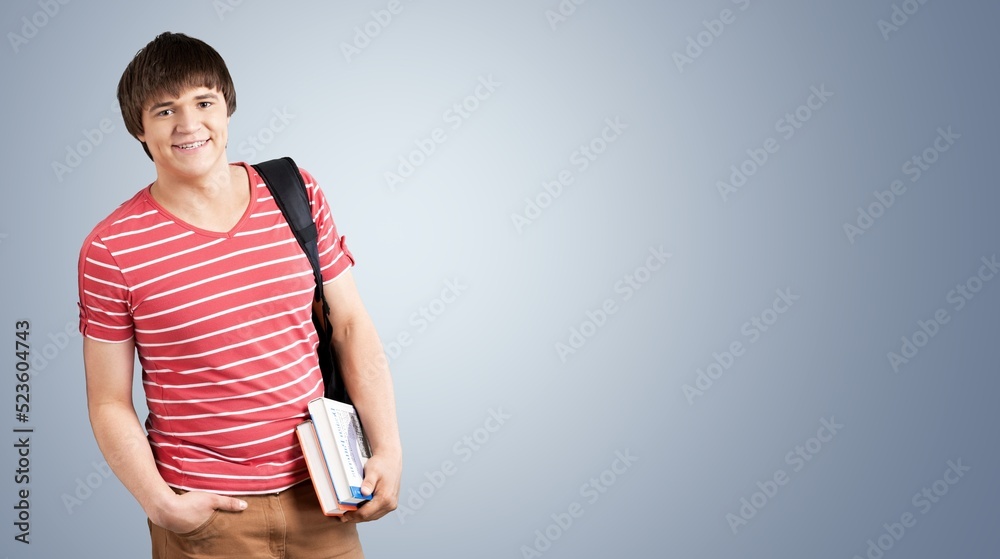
(367, 379)
(123, 442)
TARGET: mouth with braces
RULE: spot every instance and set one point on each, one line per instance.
(192, 145)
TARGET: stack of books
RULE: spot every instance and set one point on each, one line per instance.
(335, 450)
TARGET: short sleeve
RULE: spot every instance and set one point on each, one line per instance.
(334, 256)
(104, 307)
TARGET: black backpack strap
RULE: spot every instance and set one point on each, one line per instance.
(285, 183)
(284, 180)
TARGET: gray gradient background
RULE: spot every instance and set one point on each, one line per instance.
(494, 348)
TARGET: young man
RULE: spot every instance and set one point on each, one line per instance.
(201, 276)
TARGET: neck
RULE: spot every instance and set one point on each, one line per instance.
(216, 180)
(214, 201)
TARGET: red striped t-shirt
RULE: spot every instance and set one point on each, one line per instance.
(223, 328)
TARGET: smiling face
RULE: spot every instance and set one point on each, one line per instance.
(166, 75)
(186, 135)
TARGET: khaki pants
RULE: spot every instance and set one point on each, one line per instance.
(287, 525)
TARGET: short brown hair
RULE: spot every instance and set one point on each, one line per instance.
(169, 64)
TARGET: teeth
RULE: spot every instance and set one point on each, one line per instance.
(193, 145)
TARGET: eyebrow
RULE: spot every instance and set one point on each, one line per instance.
(165, 104)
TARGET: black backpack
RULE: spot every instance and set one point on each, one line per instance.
(285, 183)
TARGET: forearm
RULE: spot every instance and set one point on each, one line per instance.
(126, 449)
(109, 368)
(365, 370)
(367, 378)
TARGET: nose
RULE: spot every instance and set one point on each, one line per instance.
(187, 121)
